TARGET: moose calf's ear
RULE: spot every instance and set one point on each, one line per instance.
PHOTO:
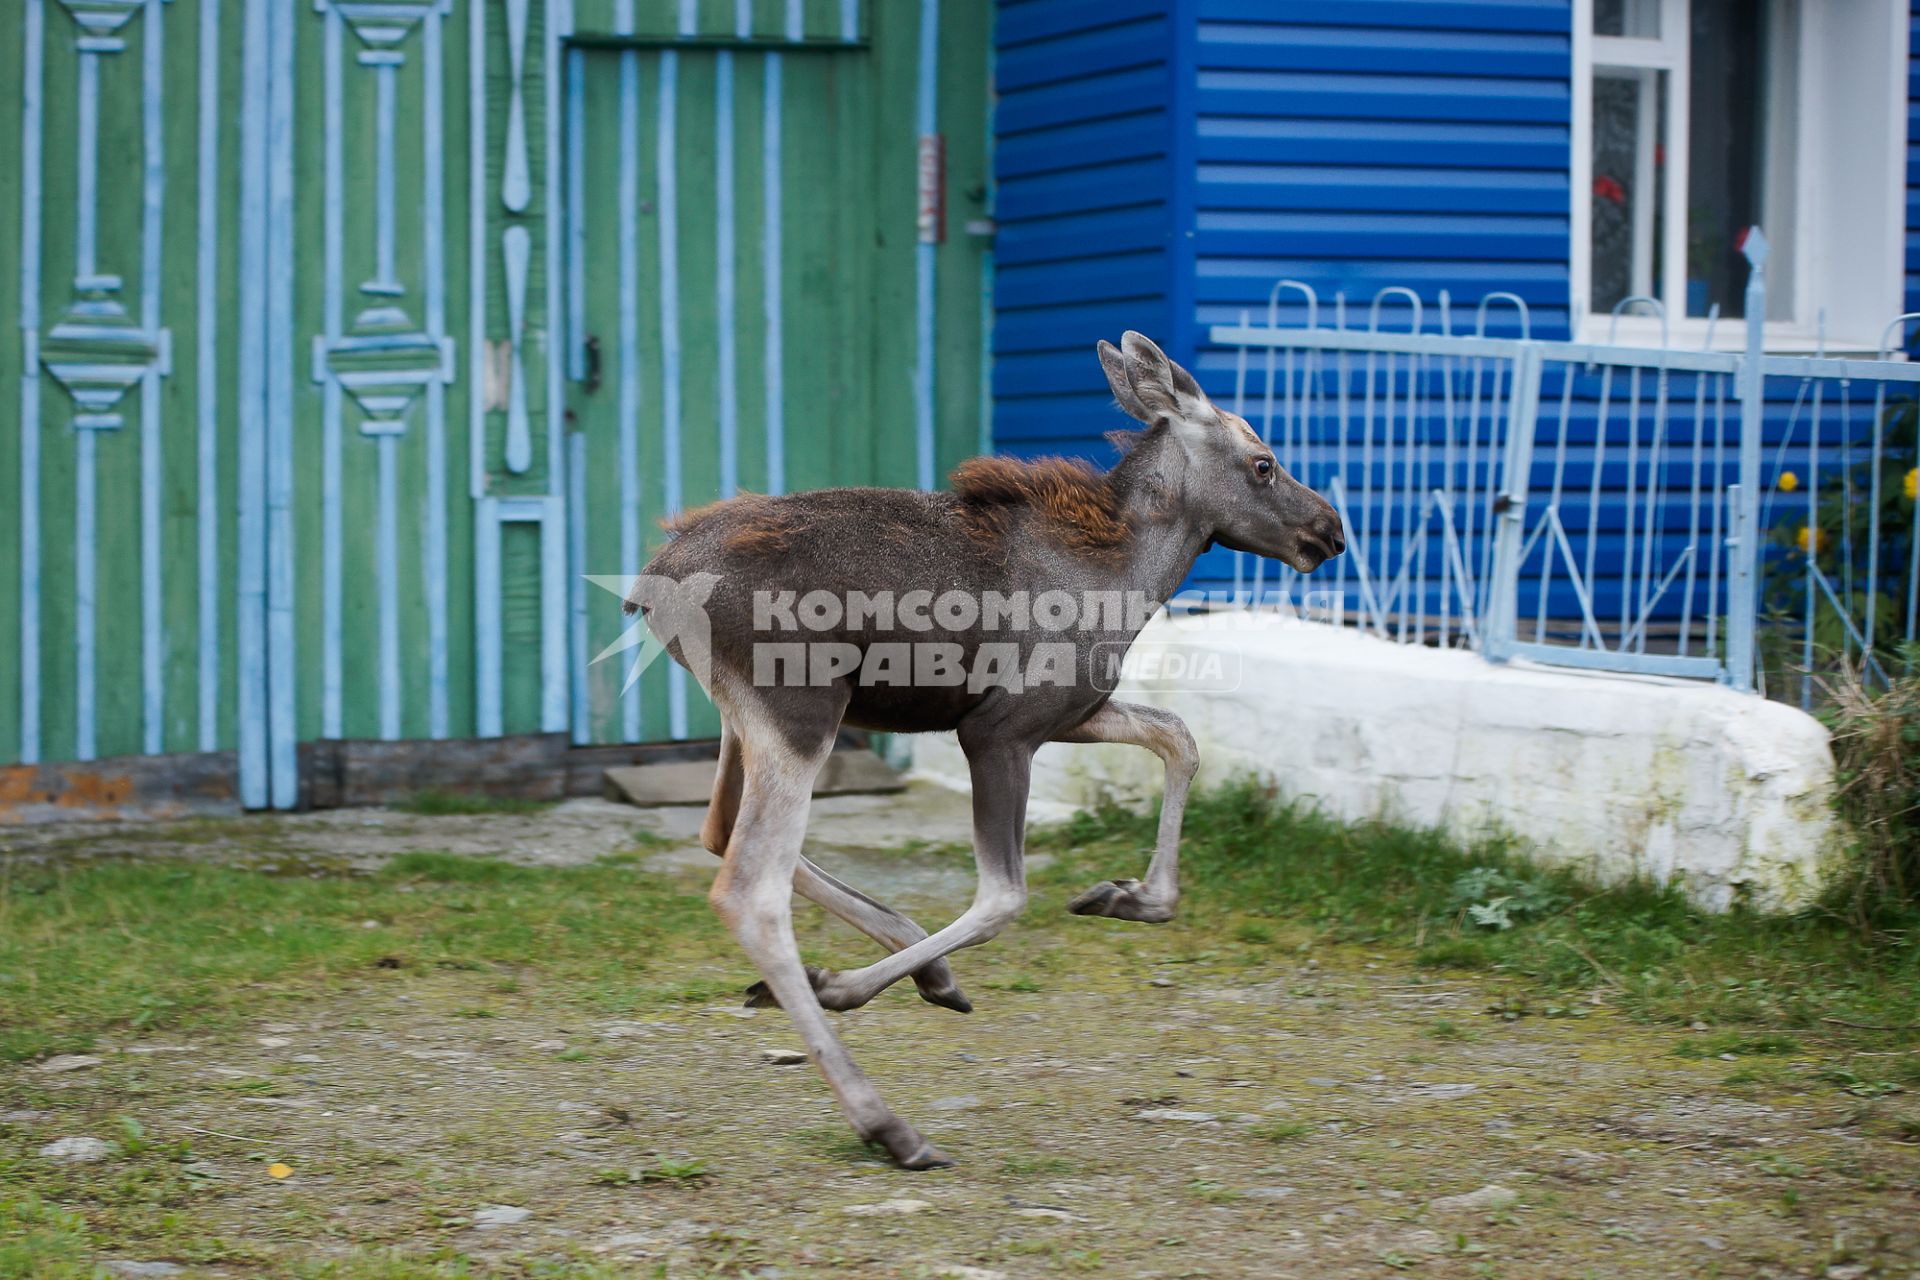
(1162, 387)
(1115, 366)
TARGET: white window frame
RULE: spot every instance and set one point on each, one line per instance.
(1845, 262)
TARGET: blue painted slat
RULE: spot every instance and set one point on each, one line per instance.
(1050, 194)
(1129, 137)
(1315, 140)
(1019, 24)
(1461, 15)
(926, 355)
(1273, 46)
(1433, 237)
(1091, 448)
(1132, 275)
(1048, 373)
(1320, 96)
(31, 155)
(1082, 235)
(1069, 326)
(1083, 98)
(1133, 44)
(1910, 298)
(1368, 190)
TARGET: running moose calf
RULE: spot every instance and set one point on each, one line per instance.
(1196, 476)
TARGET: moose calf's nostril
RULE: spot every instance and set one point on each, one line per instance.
(1329, 532)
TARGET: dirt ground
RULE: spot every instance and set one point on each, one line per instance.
(1136, 1108)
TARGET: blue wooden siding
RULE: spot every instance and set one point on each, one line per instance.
(1911, 294)
(1162, 162)
(1380, 142)
(1085, 247)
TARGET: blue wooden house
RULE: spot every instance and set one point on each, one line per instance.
(350, 338)
(1161, 164)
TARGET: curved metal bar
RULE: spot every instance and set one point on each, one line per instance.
(1519, 305)
(1886, 334)
(1313, 301)
(1394, 291)
(1659, 309)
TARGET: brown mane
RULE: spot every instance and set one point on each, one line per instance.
(759, 523)
(1073, 499)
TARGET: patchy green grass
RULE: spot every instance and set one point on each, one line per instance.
(1323, 928)
(1640, 945)
(41, 1242)
(119, 946)
(114, 946)
(432, 803)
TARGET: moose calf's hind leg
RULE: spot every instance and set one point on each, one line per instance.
(877, 920)
(753, 894)
(1164, 734)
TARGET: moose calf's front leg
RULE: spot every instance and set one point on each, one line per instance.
(1001, 773)
(1164, 734)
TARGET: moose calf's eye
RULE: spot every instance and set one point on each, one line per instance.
(1263, 467)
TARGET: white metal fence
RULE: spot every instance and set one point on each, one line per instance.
(1734, 516)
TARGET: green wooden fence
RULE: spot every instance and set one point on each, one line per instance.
(354, 334)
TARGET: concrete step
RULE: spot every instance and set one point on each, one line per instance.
(852, 771)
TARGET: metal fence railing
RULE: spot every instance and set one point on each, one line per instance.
(1742, 517)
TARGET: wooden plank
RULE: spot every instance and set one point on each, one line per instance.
(12, 72)
(891, 158)
(520, 626)
(699, 316)
(345, 772)
(965, 67)
(119, 788)
(750, 285)
(652, 417)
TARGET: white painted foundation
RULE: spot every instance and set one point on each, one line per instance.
(1620, 775)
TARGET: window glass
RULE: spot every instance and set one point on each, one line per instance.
(1726, 160)
(1629, 123)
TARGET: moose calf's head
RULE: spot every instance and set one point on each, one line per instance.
(1219, 472)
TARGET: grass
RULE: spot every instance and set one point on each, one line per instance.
(197, 942)
(119, 946)
(434, 803)
(104, 949)
(1640, 945)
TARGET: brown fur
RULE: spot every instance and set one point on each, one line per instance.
(1075, 502)
(760, 524)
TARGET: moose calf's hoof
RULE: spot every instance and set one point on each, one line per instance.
(1120, 900)
(908, 1149)
(760, 995)
(947, 998)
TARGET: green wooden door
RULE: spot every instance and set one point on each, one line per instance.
(380, 516)
(119, 531)
(312, 439)
(742, 287)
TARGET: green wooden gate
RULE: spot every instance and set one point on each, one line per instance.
(356, 332)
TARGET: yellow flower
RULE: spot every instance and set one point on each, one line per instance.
(1809, 536)
(1788, 482)
(1912, 485)
(277, 1170)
